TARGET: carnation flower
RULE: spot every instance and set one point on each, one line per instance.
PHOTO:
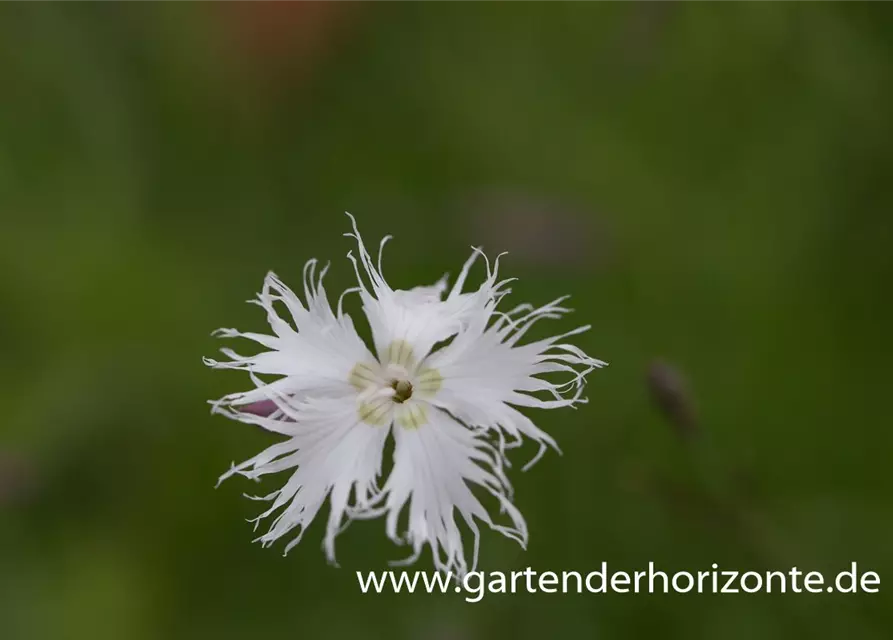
(445, 377)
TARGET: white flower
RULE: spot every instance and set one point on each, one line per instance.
(446, 375)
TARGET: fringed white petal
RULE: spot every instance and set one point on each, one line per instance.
(334, 455)
(419, 316)
(485, 371)
(435, 467)
(314, 351)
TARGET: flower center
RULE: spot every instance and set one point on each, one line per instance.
(402, 390)
(384, 388)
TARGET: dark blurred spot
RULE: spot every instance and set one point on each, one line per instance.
(671, 394)
(16, 480)
(536, 231)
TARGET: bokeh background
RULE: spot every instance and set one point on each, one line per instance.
(711, 183)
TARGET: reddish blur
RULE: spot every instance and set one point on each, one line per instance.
(281, 41)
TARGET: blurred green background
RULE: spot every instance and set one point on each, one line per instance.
(711, 183)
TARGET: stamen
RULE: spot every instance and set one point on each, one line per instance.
(402, 390)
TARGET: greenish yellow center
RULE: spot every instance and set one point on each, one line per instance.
(376, 413)
(413, 416)
(400, 372)
(400, 352)
(363, 376)
(429, 381)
